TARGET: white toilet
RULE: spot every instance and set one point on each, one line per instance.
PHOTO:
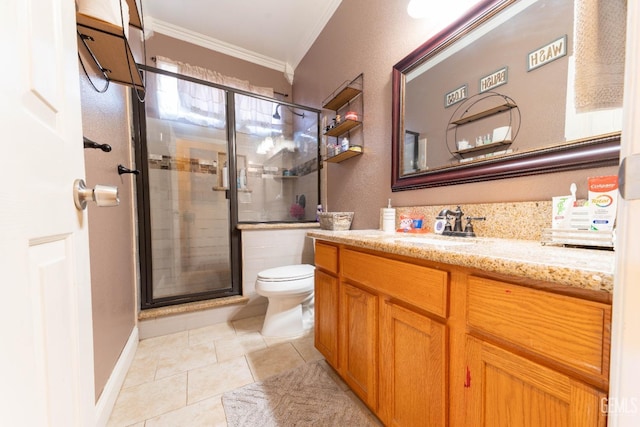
(290, 293)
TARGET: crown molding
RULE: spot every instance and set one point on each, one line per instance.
(155, 25)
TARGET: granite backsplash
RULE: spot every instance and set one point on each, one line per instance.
(511, 220)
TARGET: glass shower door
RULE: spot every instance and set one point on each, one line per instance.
(211, 158)
(189, 240)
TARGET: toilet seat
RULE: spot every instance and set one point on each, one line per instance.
(287, 273)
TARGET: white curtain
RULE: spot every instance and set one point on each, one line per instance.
(205, 105)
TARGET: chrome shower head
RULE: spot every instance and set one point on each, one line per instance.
(276, 115)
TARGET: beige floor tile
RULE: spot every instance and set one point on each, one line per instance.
(195, 367)
(149, 351)
(142, 370)
(215, 379)
(190, 357)
(138, 403)
(250, 324)
(273, 360)
(158, 346)
(271, 341)
(230, 348)
(211, 333)
(206, 413)
(307, 349)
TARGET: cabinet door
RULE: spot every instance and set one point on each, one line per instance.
(326, 317)
(503, 389)
(359, 342)
(412, 368)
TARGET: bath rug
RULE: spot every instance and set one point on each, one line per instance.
(305, 396)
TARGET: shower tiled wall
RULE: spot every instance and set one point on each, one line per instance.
(190, 244)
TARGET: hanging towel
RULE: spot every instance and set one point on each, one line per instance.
(599, 47)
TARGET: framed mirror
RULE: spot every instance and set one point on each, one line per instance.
(512, 88)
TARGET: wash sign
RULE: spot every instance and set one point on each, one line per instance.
(550, 52)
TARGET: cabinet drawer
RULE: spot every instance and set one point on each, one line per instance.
(326, 257)
(567, 329)
(422, 287)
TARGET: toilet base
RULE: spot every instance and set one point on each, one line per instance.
(288, 317)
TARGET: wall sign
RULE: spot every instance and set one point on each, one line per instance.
(455, 96)
(547, 53)
(493, 80)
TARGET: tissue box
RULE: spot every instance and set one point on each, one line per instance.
(335, 220)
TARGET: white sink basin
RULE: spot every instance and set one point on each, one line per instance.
(432, 241)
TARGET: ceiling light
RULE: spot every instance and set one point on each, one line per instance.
(417, 8)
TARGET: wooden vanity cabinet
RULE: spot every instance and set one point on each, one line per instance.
(505, 389)
(533, 357)
(358, 342)
(412, 368)
(326, 295)
(390, 352)
(429, 344)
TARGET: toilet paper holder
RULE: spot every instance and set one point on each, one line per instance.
(103, 195)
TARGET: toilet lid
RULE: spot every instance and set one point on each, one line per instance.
(288, 272)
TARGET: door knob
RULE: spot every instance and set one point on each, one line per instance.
(103, 195)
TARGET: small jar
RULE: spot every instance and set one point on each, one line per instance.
(344, 144)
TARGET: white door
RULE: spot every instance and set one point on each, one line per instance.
(623, 405)
(46, 347)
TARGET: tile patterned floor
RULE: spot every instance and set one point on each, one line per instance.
(178, 379)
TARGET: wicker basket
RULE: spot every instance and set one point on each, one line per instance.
(335, 220)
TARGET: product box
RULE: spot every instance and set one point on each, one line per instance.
(561, 211)
(603, 202)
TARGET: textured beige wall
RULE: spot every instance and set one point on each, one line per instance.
(111, 229)
(370, 37)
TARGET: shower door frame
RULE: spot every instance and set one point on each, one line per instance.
(144, 215)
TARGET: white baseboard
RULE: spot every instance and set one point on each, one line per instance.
(107, 400)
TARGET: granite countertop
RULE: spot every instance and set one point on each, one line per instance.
(583, 268)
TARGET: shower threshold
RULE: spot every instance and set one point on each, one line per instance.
(189, 307)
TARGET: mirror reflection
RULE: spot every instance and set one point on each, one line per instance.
(537, 75)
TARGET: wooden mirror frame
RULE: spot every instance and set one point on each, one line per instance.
(603, 150)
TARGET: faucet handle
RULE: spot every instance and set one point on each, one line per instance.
(468, 228)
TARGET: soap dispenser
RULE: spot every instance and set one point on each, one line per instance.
(389, 218)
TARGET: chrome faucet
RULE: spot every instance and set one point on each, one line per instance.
(457, 230)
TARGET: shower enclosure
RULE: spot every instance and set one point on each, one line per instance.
(212, 157)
